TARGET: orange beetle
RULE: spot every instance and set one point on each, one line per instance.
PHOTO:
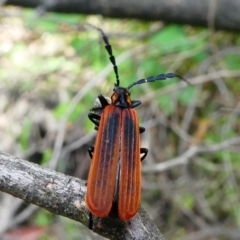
(115, 172)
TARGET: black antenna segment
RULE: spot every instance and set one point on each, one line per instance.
(156, 78)
(109, 50)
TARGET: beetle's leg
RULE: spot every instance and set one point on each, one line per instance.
(101, 104)
(90, 151)
(135, 103)
(95, 118)
(143, 151)
(141, 129)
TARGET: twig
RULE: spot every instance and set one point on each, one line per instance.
(65, 195)
(192, 151)
(212, 232)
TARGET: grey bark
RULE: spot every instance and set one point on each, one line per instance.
(220, 14)
(65, 195)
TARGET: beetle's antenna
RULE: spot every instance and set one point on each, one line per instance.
(109, 50)
(156, 78)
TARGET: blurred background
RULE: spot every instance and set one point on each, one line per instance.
(52, 67)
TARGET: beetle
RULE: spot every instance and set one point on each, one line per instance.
(114, 179)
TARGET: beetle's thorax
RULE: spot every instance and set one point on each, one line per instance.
(121, 97)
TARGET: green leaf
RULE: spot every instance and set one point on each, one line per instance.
(43, 218)
(62, 108)
(200, 57)
(46, 156)
(236, 213)
(187, 95)
(76, 113)
(79, 43)
(232, 61)
(151, 66)
(188, 200)
(59, 111)
(166, 104)
(24, 137)
(169, 39)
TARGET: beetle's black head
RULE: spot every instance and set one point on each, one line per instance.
(121, 97)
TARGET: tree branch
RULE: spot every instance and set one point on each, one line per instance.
(221, 14)
(65, 195)
(191, 152)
